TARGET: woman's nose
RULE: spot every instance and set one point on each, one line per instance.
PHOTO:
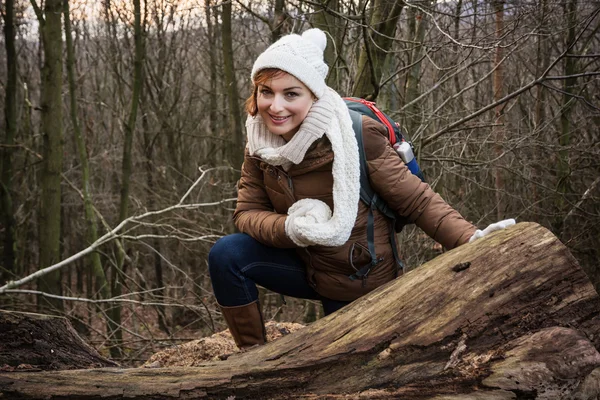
(277, 104)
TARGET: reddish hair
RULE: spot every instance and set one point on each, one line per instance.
(261, 78)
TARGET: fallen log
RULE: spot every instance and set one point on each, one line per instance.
(509, 316)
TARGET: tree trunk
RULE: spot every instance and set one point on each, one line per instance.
(52, 134)
(498, 128)
(102, 286)
(457, 49)
(127, 162)
(213, 106)
(510, 315)
(10, 115)
(279, 18)
(151, 201)
(413, 112)
(563, 185)
(237, 148)
(330, 24)
(384, 20)
(542, 62)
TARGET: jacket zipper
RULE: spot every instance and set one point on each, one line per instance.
(288, 186)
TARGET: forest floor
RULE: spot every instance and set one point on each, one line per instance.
(35, 342)
(215, 347)
(189, 329)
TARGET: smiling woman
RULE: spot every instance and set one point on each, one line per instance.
(303, 227)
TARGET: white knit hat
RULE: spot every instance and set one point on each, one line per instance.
(300, 56)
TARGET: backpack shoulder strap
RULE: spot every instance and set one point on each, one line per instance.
(367, 195)
(370, 198)
(366, 192)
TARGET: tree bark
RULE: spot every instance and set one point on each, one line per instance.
(332, 25)
(213, 106)
(542, 62)
(278, 22)
(127, 167)
(33, 342)
(151, 201)
(383, 21)
(498, 128)
(52, 135)
(510, 315)
(102, 286)
(413, 112)
(6, 151)
(235, 115)
(568, 90)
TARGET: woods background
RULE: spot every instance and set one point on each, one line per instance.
(122, 139)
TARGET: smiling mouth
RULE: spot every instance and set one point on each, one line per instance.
(279, 119)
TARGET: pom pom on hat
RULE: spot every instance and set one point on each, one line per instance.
(300, 56)
(317, 37)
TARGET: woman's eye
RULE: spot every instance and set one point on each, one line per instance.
(291, 94)
(265, 92)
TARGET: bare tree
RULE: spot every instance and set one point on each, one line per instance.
(235, 116)
(378, 31)
(498, 127)
(6, 151)
(52, 152)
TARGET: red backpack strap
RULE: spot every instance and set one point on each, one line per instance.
(382, 118)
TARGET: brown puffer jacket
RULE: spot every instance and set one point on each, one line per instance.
(266, 192)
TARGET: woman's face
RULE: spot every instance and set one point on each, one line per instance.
(283, 103)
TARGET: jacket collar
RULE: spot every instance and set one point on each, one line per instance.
(317, 155)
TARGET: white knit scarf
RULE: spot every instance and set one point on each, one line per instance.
(310, 221)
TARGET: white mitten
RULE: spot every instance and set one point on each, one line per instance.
(491, 228)
(301, 215)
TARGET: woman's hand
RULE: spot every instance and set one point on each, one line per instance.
(491, 228)
(303, 214)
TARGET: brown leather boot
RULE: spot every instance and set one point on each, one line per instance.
(245, 324)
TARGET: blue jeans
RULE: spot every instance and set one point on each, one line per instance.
(237, 263)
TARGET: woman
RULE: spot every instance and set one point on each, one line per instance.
(303, 228)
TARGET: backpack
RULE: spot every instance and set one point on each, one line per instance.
(359, 107)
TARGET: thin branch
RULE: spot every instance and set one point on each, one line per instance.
(562, 77)
(577, 207)
(328, 10)
(445, 79)
(443, 32)
(205, 238)
(583, 55)
(586, 101)
(113, 234)
(98, 214)
(517, 92)
(254, 14)
(98, 301)
(38, 12)
(396, 73)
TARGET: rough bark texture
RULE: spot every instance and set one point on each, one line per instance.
(35, 342)
(509, 316)
(52, 152)
(377, 45)
(6, 151)
(233, 95)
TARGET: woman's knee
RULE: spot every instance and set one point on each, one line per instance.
(225, 253)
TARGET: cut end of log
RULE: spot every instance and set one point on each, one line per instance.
(37, 342)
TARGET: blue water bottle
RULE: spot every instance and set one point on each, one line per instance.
(404, 149)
